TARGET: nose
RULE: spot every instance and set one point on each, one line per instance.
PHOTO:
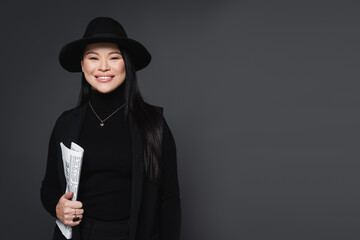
(104, 66)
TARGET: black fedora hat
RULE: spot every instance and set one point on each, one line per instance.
(103, 29)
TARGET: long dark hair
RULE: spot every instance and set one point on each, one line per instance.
(147, 118)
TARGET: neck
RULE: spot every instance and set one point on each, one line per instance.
(107, 102)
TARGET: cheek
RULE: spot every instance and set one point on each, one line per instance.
(122, 69)
(119, 69)
(87, 67)
(88, 79)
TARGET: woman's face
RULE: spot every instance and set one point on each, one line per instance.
(103, 66)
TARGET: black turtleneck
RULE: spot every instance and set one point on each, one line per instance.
(105, 182)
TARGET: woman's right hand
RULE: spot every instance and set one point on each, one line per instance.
(66, 209)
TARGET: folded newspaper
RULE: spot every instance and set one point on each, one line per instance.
(72, 160)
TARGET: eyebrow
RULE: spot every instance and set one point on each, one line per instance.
(91, 52)
(115, 53)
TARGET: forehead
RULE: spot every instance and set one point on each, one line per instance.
(101, 47)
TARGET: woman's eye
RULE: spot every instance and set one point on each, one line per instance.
(114, 58)
(93, 58)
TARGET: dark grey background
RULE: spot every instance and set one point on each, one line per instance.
(262, 98)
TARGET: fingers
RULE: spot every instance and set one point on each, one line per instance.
(77, 204)
(72, 204)
(67, 210)
(77, 218)
(72, 217)
(73, 211)
(68, 195)
(79, 212)
(72, 220)
(66, 198)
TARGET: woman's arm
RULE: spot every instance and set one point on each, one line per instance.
(170, 210)
(50, 187)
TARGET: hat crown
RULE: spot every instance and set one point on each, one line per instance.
(104, 26)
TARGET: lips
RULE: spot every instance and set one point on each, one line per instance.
(104, 78)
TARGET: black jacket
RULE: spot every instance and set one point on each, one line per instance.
(155, 208)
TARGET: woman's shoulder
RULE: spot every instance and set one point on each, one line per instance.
(158, 109)
(67, 116)
(69, 113)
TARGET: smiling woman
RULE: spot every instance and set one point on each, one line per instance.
(128, 186)
(103, 66)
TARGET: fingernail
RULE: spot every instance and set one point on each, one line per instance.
(76, 219)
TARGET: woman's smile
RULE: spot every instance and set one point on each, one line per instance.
(104, 78)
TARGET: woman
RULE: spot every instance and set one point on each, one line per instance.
(128, 185)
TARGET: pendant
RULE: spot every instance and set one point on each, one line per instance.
(101, 124)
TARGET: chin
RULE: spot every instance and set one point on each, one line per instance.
(104, 90)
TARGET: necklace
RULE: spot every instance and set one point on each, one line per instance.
(103, 120)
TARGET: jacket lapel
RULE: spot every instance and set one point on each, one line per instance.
(71, 134)
(78, 122)
(137, 177)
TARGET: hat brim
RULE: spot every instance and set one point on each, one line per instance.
(70, 54)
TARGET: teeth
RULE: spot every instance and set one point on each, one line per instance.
(104, 77)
